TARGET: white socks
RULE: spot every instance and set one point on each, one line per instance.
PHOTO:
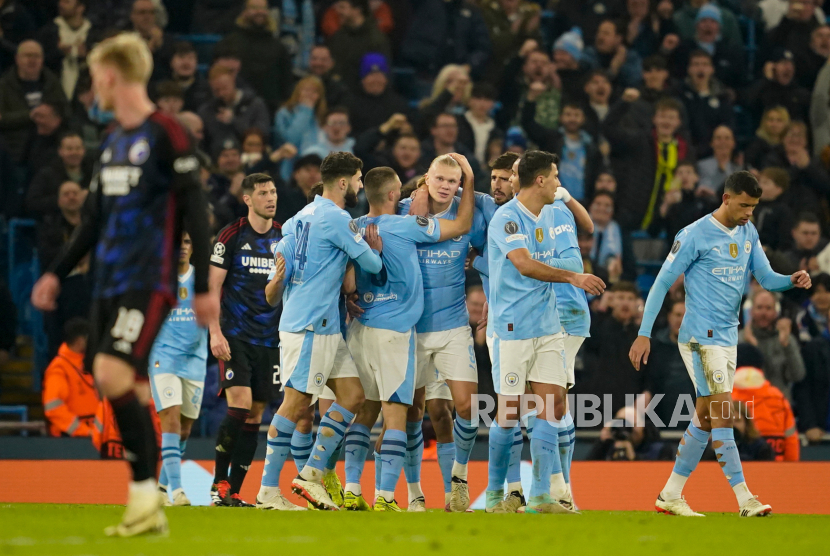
(414, 491)
(354, 488)
(459, 470)
(674, 487)
(742, 493)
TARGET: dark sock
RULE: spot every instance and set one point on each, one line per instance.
(137, 435)
(229, 431)
(243, 455)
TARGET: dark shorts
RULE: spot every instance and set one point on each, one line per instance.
(126, 327)
(254, 367)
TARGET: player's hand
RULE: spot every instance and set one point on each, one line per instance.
(45, 292)
(466, 169)
(219, 346)
(639, 351)
(801, 279)
(373, 238)
(279, 268)
(562, 195)
(589, 283)
(482, 322)
(206, 308)
(420, 202)
(352, 306)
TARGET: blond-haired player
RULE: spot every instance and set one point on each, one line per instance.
(145, 192)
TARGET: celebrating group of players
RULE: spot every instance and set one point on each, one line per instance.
(399, 273)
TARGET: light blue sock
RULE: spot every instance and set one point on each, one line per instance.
(446, 457)
(564, 448)
(392, 453)
(182, 446)
(378, 470)
(544, 450)
(277, 451)
(326, 444)
(171, 460)
(690, 450)
(356, 446)
(301, 443)
(723, 441)
(530, 422)
(163, 481)
(464, 435)
(514, 468)
(501, 440)
(414, 451)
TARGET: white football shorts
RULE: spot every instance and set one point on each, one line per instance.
(445, 355)
(308, 360)
(385, 361)
(170, 390)
(712, 368)
(517, 362)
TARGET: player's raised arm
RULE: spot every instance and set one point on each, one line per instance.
(581, 216)
(466, 207)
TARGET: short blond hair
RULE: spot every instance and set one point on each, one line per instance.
(126, 52)
(446, 160)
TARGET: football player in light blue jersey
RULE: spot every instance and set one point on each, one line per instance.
(178, 363)
(313, 352)
(525, 336)
(447, 371)
(715, 254)
(382, 337)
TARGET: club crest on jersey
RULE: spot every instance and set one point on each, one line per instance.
(747, 247)
(139, 152)
(552, 233)
(318, 379)
(719, 377)
(368, 297)
(512, 379)
(458, 238)
(182, 293)
(733, 250)
(168, 393)
(106, 156)
(511, 228)
(540, 235)
(229, 374)
(274, 247)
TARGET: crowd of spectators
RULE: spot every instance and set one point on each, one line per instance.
(649, 103)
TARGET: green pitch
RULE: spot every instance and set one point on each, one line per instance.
(74, 530)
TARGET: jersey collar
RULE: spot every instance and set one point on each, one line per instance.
(526, 210)
(721, 227)
(186, 276)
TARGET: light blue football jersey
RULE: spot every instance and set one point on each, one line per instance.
(324, 239)
(394, 298)
(442, 266)
(521, 308)
(180, 338)
(716, 261)
(571, 301)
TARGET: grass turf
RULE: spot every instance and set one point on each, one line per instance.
(64, 529)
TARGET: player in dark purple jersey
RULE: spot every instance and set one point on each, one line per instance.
(145, 191)
(246, 338)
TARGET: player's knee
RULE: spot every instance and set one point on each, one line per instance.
(112, 384)
(558, 408)
(464, 408)
(353, 400)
